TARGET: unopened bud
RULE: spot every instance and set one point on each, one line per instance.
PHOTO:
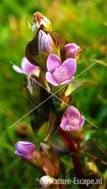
(25, 149)
(45, 42)
(39, 20)
(71, 50)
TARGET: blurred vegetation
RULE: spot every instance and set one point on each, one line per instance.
(79, 21)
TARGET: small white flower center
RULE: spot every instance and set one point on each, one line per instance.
(74, 122)
(61, 74)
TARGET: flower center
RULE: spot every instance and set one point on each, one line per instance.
(74, 122)
(61, 74)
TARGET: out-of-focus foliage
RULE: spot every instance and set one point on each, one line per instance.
(79, 21)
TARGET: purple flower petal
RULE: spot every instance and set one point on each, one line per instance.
(27, 67)
(67, 81)
(72, 128)
(50, 79)
(25, 146)
(71, 65)
(64, 122)
(61, 74)
(17, 68)
(82, 120)
(72, 111)
(53, 62)
(71, 49)
(25, 149)
(45, 42)
(72, 120)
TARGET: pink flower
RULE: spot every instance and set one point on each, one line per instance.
(25, 149)
(45, 42)
(27, 68)
(60, 73)
(72, 120)
(71, 50)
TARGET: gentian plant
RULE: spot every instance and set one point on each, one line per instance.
(51, 64)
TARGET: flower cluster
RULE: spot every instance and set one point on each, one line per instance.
(58, 72)
(60, 66)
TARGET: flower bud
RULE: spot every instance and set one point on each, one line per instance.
(41, 21)
(25, 149)
(46, 181)
(71, 50)
(45, 42)
(72, 120)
